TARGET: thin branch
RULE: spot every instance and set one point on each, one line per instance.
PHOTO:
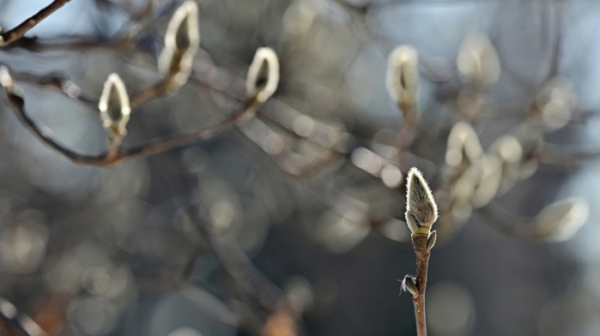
(20, 30)
(119, 155)
(422, 252)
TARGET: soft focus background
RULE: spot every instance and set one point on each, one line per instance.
(292, 223)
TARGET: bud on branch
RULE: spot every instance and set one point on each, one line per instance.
(403, 80)
(182, 41)
(421, 210)
(263, 75)
(114, 106)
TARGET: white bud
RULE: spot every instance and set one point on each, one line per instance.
(403, 75)
(478, 61)
(420, 205)
(114, 106)
(556, 102)
(560, 221)
(182, 41)
(463, 145)
(263, 74)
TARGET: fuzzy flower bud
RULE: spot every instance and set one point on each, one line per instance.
(263, 74)
(114, 106)
(182, 40)
(478, 62)
(403, 79)
(421, 209)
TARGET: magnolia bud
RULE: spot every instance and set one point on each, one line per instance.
(403, 75)
(409, 285)
(478, 61)
(463, 145)
(560, 221)
(556, 102)
(421, 210)
(182, 40)
(114, 106)
(263, 74)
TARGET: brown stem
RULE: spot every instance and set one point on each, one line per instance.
(420, 245)
(119, 155)
(154, 91)
(20, 30)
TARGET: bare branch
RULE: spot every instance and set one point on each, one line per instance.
(20, 30)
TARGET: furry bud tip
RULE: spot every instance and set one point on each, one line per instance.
(114, 106)
(182, 41)
(263, 75)
(421, 209)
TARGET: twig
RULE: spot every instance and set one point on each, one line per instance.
(119, 155)
(421, 213)
(420, 244)
(20, 30)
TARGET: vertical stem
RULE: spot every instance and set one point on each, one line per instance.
(114, 143)
(420, 245)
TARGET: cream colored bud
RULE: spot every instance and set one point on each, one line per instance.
(420, 205)
(182, 41)
(463, 145)
(556, 102)
(561, 220)
(478, 62)
(263, 74)
(403, 75)
(114, 106)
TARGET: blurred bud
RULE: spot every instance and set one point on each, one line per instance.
(489, 182)
(114, 106)
(556, 102)
(464, 186)
(182, 40)
(509, 151)
(507, 148)
(560, 221)
(431, 240)
(463, 145)
(478, 61)
(421, 210)
(263, 74)
(409, 285)
(403, 79)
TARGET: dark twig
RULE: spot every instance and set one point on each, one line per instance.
(20, 30)
(420, 244)
(119, 155)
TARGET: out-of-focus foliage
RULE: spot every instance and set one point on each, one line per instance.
(291, 223)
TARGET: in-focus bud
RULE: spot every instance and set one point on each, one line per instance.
(263, 75)
(182, 40)
(478, 61)
(114, 106)
(421, 210)
(409, 285)
(403, 79)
